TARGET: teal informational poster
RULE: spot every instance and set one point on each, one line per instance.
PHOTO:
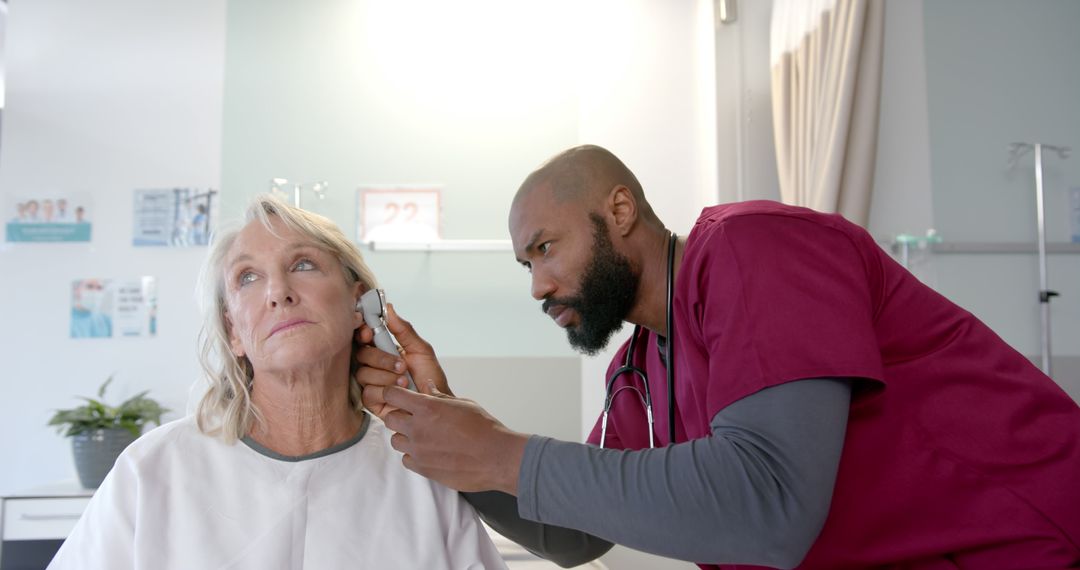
(59, 218)
(173, 217)
(112, 308)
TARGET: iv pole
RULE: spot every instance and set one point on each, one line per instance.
(1017, 150)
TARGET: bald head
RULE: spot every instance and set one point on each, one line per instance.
(586, 175)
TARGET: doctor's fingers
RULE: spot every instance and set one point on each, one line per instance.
(372, 397)
(405, 334)
(378, 359)
(417, 457)
(399, 421)
(421, 456)
(401, 443)
(364, 334)
(422, 405)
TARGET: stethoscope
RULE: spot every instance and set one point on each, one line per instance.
(669, 364)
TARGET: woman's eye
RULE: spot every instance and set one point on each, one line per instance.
(303, 265)
(544, 247)
(246, 277)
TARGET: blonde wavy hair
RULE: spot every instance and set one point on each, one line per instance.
(226, 410)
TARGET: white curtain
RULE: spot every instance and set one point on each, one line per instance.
(826, 81)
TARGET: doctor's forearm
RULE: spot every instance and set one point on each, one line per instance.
(564, 546)
(755, 492)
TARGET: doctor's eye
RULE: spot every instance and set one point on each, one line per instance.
(544, 247)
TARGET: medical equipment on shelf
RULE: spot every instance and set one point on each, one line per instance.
(373, 305)
(279, 187)
(1017, 150)
(669, 364)
(903, 243)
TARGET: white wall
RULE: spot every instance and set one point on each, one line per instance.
(902, 202)
(102, 98)
(3, 31)
(999, 72)
(369, 92)
(746, 148)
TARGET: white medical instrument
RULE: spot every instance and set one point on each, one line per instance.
(669, 364)
(373, 305)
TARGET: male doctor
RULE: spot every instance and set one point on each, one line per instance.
(829, 410)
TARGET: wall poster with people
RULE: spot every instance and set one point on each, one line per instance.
(48, 218)
(174, 217)
(113, 308)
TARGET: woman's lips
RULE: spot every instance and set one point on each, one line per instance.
(285, 325)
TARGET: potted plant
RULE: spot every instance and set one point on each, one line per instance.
(99, 432)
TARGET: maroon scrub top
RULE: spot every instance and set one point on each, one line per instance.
(959, 453)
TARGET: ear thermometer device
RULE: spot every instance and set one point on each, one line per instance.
(373, 305)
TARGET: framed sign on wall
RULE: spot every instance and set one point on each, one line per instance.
(399, 214)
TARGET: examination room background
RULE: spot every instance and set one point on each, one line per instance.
(107, 97)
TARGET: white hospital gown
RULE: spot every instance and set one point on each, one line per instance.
(180, 499)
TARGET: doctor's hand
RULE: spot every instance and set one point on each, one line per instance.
(379, 369)
(453, 440)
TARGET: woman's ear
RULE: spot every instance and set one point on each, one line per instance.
(358, 315)
(235, 345)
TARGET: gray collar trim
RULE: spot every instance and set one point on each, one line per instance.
(321, 453)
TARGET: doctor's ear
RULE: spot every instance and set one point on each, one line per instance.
(623, 208)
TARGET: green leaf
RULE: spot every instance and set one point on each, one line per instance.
(131, 415)
(101, 390)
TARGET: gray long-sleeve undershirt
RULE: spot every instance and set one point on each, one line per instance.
(566, 547)
(756, 491)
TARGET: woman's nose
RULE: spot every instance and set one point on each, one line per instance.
(280, 293)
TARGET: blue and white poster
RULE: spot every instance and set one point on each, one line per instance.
(55, 218)
(173, 217)
(113, 308)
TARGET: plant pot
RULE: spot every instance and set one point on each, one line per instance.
(96, 452)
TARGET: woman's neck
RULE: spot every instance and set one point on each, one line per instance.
(303, 411)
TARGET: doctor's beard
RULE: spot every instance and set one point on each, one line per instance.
(608, 289)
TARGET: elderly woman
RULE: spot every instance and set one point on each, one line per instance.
(281, 467)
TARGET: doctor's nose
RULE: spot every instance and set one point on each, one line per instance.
(542, 287)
